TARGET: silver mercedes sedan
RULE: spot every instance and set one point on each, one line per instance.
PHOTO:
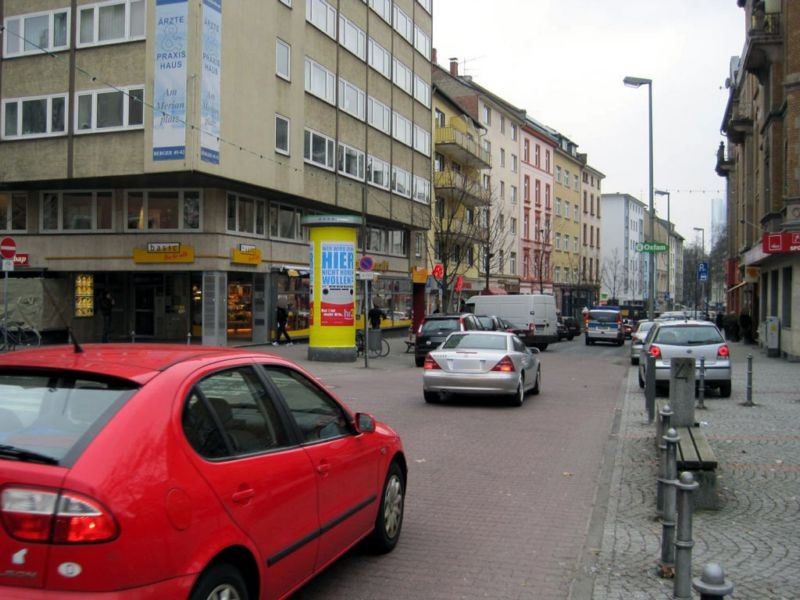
(482, 363)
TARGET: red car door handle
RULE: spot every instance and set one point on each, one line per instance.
(243, 496)
(323, 468)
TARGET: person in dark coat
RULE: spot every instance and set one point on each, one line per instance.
(281, 316)
(105, 306)
(375, 315)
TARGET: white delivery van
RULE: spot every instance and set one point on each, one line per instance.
(533, 316)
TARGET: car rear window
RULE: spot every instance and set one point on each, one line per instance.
(474, 341)
(604, 316)
(440, 325)
(50, 413)
(692, 335)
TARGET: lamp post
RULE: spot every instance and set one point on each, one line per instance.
(651, 279)
(702, 259)
(669, 245)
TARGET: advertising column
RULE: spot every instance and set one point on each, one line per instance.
(332, 287)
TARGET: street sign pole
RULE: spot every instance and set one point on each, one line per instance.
(8, 249)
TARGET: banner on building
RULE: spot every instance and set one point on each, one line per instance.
(210, 81)
(337, 274)
(169, 80)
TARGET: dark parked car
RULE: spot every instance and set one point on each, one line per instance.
(435, 328)
(568, 328)
(494, 323)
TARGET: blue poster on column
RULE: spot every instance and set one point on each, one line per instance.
(210, 85)
(169, 85)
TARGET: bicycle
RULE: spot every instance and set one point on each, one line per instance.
(18, 333)
(380, 352)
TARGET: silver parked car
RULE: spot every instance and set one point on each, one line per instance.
(687, 339)
(482, 362)
(637, 339)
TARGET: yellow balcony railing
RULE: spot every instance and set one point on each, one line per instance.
(468, 149)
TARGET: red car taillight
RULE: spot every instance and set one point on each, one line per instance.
(532, 327)
(41, 515)
(430, 363)
(724, 351)
(506, 365)
(655, 351)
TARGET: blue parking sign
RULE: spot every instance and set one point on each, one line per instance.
(702, 271)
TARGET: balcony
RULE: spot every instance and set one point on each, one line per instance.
(764, 44)
(452, 185)
(724, 165)
(461, 147)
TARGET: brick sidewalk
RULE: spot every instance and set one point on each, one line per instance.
(754, 534)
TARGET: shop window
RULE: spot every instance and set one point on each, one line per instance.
(163, 209)
(35, 33)
(293, 294)
(786, 299)
(240, 309)
(117, 110)
(246, 214)
(76, 211)
(40, 116)
(111, 22)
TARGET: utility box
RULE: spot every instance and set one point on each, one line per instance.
(773, 336)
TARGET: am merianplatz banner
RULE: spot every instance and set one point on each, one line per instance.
(169, 85)
(210, 85)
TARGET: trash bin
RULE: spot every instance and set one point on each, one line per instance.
(375, 338)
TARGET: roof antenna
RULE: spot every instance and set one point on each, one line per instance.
(75, 344)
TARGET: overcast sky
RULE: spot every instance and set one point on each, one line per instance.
(564, 61)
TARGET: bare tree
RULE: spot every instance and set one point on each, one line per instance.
(613, 272)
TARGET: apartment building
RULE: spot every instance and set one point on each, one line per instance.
(591, 221)
(760, 164)
(539, 209)
(502, 122)
(624, 270)
(166, 151)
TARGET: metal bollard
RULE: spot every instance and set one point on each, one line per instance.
(650, 388)
(701, 386)
(668, 519)
(133, 336)
(712, 584)
(664, 425)
(189, 338)
(749, 398)
(686, 486)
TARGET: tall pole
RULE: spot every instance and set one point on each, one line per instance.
(651, 297)
(697, 275)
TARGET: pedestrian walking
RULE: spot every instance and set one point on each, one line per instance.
(281, 315)
(105, 306)
(375, 315)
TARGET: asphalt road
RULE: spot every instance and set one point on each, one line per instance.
(500, 499)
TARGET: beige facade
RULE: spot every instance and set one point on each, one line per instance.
(88, 195)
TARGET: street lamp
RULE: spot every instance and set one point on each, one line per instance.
(669, 241)
(651, 279)
(702, 259)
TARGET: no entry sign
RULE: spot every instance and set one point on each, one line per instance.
(8, 248)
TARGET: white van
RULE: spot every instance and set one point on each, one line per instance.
(533, 316)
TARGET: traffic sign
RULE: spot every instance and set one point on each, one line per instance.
(366, 263)
(651, 247)
(702, 271)
(366, 276)
(8, 247)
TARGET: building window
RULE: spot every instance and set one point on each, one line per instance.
(422, 140)
(438, 162)
(283, 60)
(419, 244)
(502, 124)
(575, 183)
(287, 3)
(558, 241)
(536, 157)
(512, 263)
(566, 210)
(513, 193)
(422, 190)
(351, 162)
(547, 160)
(584, 234)
(513, 225)
(103, 110)
(38, 116)
(558, 207)
(403, 77)
(352, 99)
(526, 151)
(352, 37)
(566, 242)
(318, 149)
(402, 129)
(487, 146)
(111, 22)
(502, 190)
(281, 134)
(404, 25)
(426, 4)
(547, 196)
(558, 174)
(422, 91)
(383, 8)
(76, 211)
(378, 172)
(537, 193)
(13, 211)
(487, 115)
(35, 33)
(246, 215)
(284, 222)
(514, 163)
(513, 132)
(380, 58)
(502, 157)
(319, 81)
(591, 204)
(379, 115)
(322, 16)
(176, 210)
(576, 213)
(401, 182)
(422, 42)
(526, 188)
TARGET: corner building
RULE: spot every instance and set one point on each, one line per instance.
(165, 151)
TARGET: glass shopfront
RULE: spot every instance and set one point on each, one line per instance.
(292, 287)
(393, 296)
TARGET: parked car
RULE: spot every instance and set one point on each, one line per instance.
(482, 362)
(562, 330)
(637, 339)
(672, 315)
(604, 324)
(627, 328)
(174, 471)
(493, 323)
(435, 328)
(573, 327)
(687, 339)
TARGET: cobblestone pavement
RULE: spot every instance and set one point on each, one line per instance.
(754, 535)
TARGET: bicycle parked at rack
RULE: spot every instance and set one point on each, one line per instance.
(376, 352)
(17, 334)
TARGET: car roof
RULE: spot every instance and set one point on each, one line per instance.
(684, 323)
(136, 362)
(446, 316)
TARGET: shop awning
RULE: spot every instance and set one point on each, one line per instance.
(736, 287)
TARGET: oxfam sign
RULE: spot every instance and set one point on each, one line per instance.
(651, 247)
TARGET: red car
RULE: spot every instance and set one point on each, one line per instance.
(166, 471)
